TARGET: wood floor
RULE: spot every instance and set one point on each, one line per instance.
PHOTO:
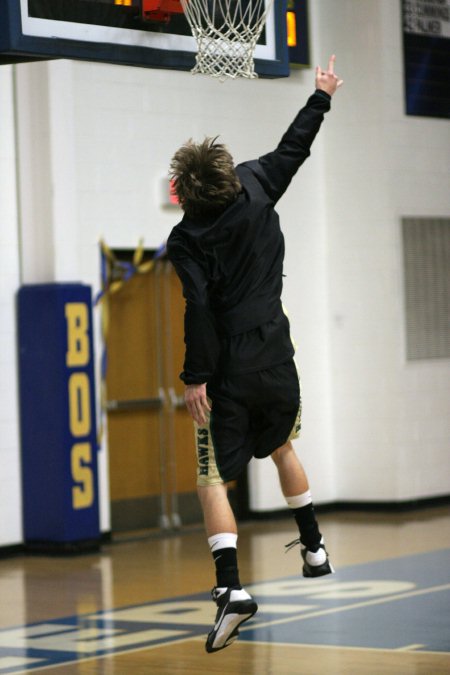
(148, 568)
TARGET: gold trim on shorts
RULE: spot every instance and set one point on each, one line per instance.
(207, 471)
(296, 429)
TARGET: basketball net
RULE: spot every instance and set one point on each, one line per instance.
(226, 32)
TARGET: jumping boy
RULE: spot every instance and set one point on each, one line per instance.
(242, 386)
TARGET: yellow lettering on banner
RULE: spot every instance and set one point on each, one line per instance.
(77, 318)
(83, 492)
(79, 405)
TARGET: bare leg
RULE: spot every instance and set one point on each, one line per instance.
(292, 475)
(295, 487)
(217, 512)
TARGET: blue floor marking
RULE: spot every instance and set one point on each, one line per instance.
(420, 619)
(388, 604)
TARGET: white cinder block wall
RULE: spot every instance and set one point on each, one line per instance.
(96, 142)
(10, 489)
(391, 417)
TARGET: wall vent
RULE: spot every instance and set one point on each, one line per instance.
(426, 257)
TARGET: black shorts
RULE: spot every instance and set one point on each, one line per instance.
(252, 415)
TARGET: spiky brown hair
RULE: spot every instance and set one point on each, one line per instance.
(204, 178)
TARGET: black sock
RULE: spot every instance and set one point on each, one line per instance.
(308, 527)
(227, 572)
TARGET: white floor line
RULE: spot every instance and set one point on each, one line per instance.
(351, 648)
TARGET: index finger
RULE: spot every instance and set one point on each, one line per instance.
(331, 64)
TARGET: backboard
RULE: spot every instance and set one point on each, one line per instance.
(104, 30)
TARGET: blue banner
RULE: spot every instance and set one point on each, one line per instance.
(57, 407)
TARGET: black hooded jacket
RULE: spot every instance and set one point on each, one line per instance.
(231, 266)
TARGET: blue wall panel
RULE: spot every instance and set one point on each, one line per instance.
(57, 405)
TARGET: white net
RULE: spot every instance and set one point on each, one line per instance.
(226, 32)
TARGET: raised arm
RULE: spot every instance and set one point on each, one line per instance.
(276, 169)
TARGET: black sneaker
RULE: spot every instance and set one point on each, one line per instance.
(315, 563)
(234, 606)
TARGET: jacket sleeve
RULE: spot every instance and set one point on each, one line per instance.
(276, 169)
(200, 336)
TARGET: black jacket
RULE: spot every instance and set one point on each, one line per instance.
(231, 266)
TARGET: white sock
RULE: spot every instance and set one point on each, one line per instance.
(222, 540)
(298, 501)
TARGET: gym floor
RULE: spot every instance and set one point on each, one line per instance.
(142, 604)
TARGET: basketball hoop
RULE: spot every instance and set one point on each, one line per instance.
(226, 32)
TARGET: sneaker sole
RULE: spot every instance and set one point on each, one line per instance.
(320, 571)
(226, 630)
